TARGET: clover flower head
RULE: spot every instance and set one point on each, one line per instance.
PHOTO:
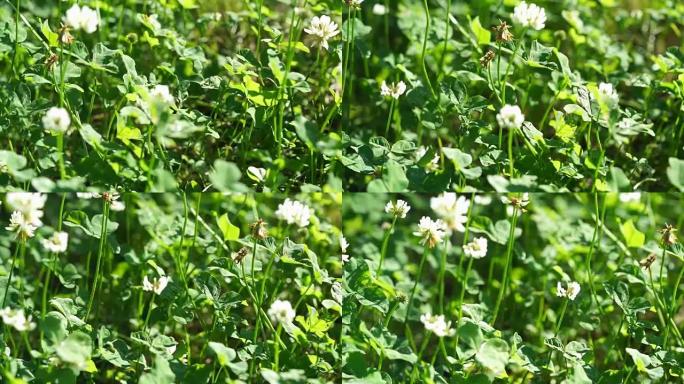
(162, 93)
(477, 248)
(157, 285)
(570, 292)
(393, 90)
(18, 224)
(437, 325)
(529, 16)
(397, 208)
(57, 243)
(322, 29)
(281, 311)
(56, 120)
(17, 319)
(29, 204)
(431, 231)
(608, 95)
(84, 18)
(510, 117)
(294, 212)
(452, 209)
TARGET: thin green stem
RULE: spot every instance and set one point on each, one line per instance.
(424, 48)
(426, 250)
(509, 254)
(385, 244)
(100, 251)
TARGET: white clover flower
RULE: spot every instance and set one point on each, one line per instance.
(437, 325)
(29, 204)
(570, 292)
(17, 319)
(397, 208)
(379, 9)
(453, 210)
(20, 226)
(257, 174)
(343, 246)
(393, 90)
(162, 94)
(281, 311)
(519, 202)
(608, 95)
(56, 120)
(431, 232)
(82, 18)
(628, 197)
(529, 16)
(355, 3)
(56, 243)
(294, 212)
(157, 285)
(322, 29)
(434, 162)
(477, 248)
(510, 116)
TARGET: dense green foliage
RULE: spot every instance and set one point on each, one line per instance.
(170, 288)
(504, 320)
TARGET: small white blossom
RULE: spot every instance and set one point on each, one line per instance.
(322, 29)
(529, 16)
(431, 231)
(157, 285)
(56, 120)
(393, 90)
(29, 204)
(82, 18)
(607, 95)
(379, 9)
(162, 94)
(294, 212)
(397, 208)
(56, 243)
(434, 162)
(437, 325)
(17, 319)
(343, 247)
(20, 226)
(477, 248)
(452, 209)
(570, 292)
(510, 116)
(628, 197)
(281, 311)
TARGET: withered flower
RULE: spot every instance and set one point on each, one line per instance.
(487, 58)
(668, 234)
(240, 254)
(646, 263)
(259, 230)
(503, 34)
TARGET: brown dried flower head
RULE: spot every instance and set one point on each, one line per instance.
(51, 60)
(503, 34)
(259, 229)
(646, 263)
(240, 254)
(487, 58)
(668, 234)
(65, 36)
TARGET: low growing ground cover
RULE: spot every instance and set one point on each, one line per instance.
(200, 288)
(538, 288)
